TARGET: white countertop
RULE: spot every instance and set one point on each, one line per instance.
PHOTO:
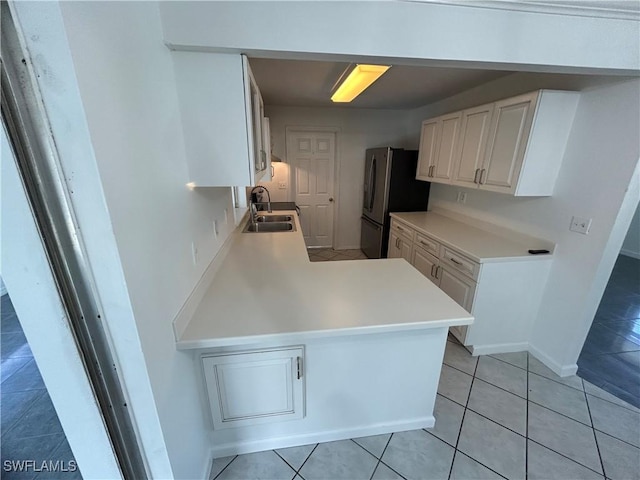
(266, 289)
(478, 244)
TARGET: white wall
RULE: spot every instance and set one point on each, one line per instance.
(357, 131)
(128, 92)
(631, 244)
(601, 155)
(432, 33)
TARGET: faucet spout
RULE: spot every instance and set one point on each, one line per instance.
(252, 206)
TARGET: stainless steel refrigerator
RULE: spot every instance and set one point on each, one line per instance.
(390, 185)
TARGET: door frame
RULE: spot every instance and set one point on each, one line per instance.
(336, 169)
(80, 369)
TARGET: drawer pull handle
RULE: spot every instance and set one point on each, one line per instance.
(475, 177)
(455, 261)
(432, 267)
(424, 243)
(480, 180)
(400, 228)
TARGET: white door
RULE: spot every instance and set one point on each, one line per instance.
(507, 141)
(475, 131)
(427, 153)
(311, 156)
(447, 148)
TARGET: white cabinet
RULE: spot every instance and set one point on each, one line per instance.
(502, 293)
(474, 133)
(254, 387)
(400, 241)
(399, 247)
(222, 119)
(512, 146)
(438, 148)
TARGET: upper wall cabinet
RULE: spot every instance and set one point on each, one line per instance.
(513, 146)
(438, 146)
(222, 118)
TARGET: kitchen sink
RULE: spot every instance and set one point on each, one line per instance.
(269, 227)
(273, 218)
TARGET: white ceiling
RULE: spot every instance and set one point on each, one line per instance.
(309, 83)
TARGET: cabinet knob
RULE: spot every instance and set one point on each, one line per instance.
(331, 199)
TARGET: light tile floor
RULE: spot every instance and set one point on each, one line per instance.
(329, 254)
(497, 416)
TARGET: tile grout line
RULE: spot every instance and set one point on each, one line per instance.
(526, 428)
(595, 437)
(520, 397)
(305, 460)
(295, 472)
(564, 456)
(225, 467)
(464, 414)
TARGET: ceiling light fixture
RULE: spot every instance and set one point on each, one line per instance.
(360, 78)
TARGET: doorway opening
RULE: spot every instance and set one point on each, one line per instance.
(610, 357)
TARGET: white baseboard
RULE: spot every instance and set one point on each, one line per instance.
(241, 447)
(191, 304)
(630, 253)
(558, 369)
(499, 348)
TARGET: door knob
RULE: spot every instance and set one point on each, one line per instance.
(331, 199)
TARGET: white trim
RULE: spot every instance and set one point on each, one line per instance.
(591, 8)
(560, 370)
(193, 300)
(630, 253)
(240, 447)
(3, 288)
(336, 169)
(499, 348)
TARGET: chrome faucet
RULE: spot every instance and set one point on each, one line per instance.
(253, 211)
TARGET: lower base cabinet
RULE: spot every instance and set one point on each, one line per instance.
(254, 387)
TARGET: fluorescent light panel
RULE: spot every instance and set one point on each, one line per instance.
(358, 81)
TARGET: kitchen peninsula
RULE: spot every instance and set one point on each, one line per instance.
(294, 352)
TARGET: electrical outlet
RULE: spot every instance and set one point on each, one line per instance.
(194, 253)
(282, 185)
(580, 225)
(215, 228)
(462, 197)
(226, 215)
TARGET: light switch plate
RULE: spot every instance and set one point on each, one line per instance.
(282, 185)
(580, 225)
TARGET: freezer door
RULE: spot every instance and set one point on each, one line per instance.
(376, 184)
(371, 238)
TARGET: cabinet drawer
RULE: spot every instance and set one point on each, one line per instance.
(460, 263)
(427, 244)
(402, 230)
(425, 263)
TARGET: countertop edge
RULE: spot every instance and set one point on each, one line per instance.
(316, 334)
(472, 256)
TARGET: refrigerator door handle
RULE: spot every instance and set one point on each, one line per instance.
(372, 223)
(372, 182)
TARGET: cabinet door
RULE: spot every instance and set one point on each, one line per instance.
(510, 129)
(474, 132)
(447, 147)
(405, 249)
(249, 388)
(394, 250)
(460, 290)
(427, 153)
(425, 263)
